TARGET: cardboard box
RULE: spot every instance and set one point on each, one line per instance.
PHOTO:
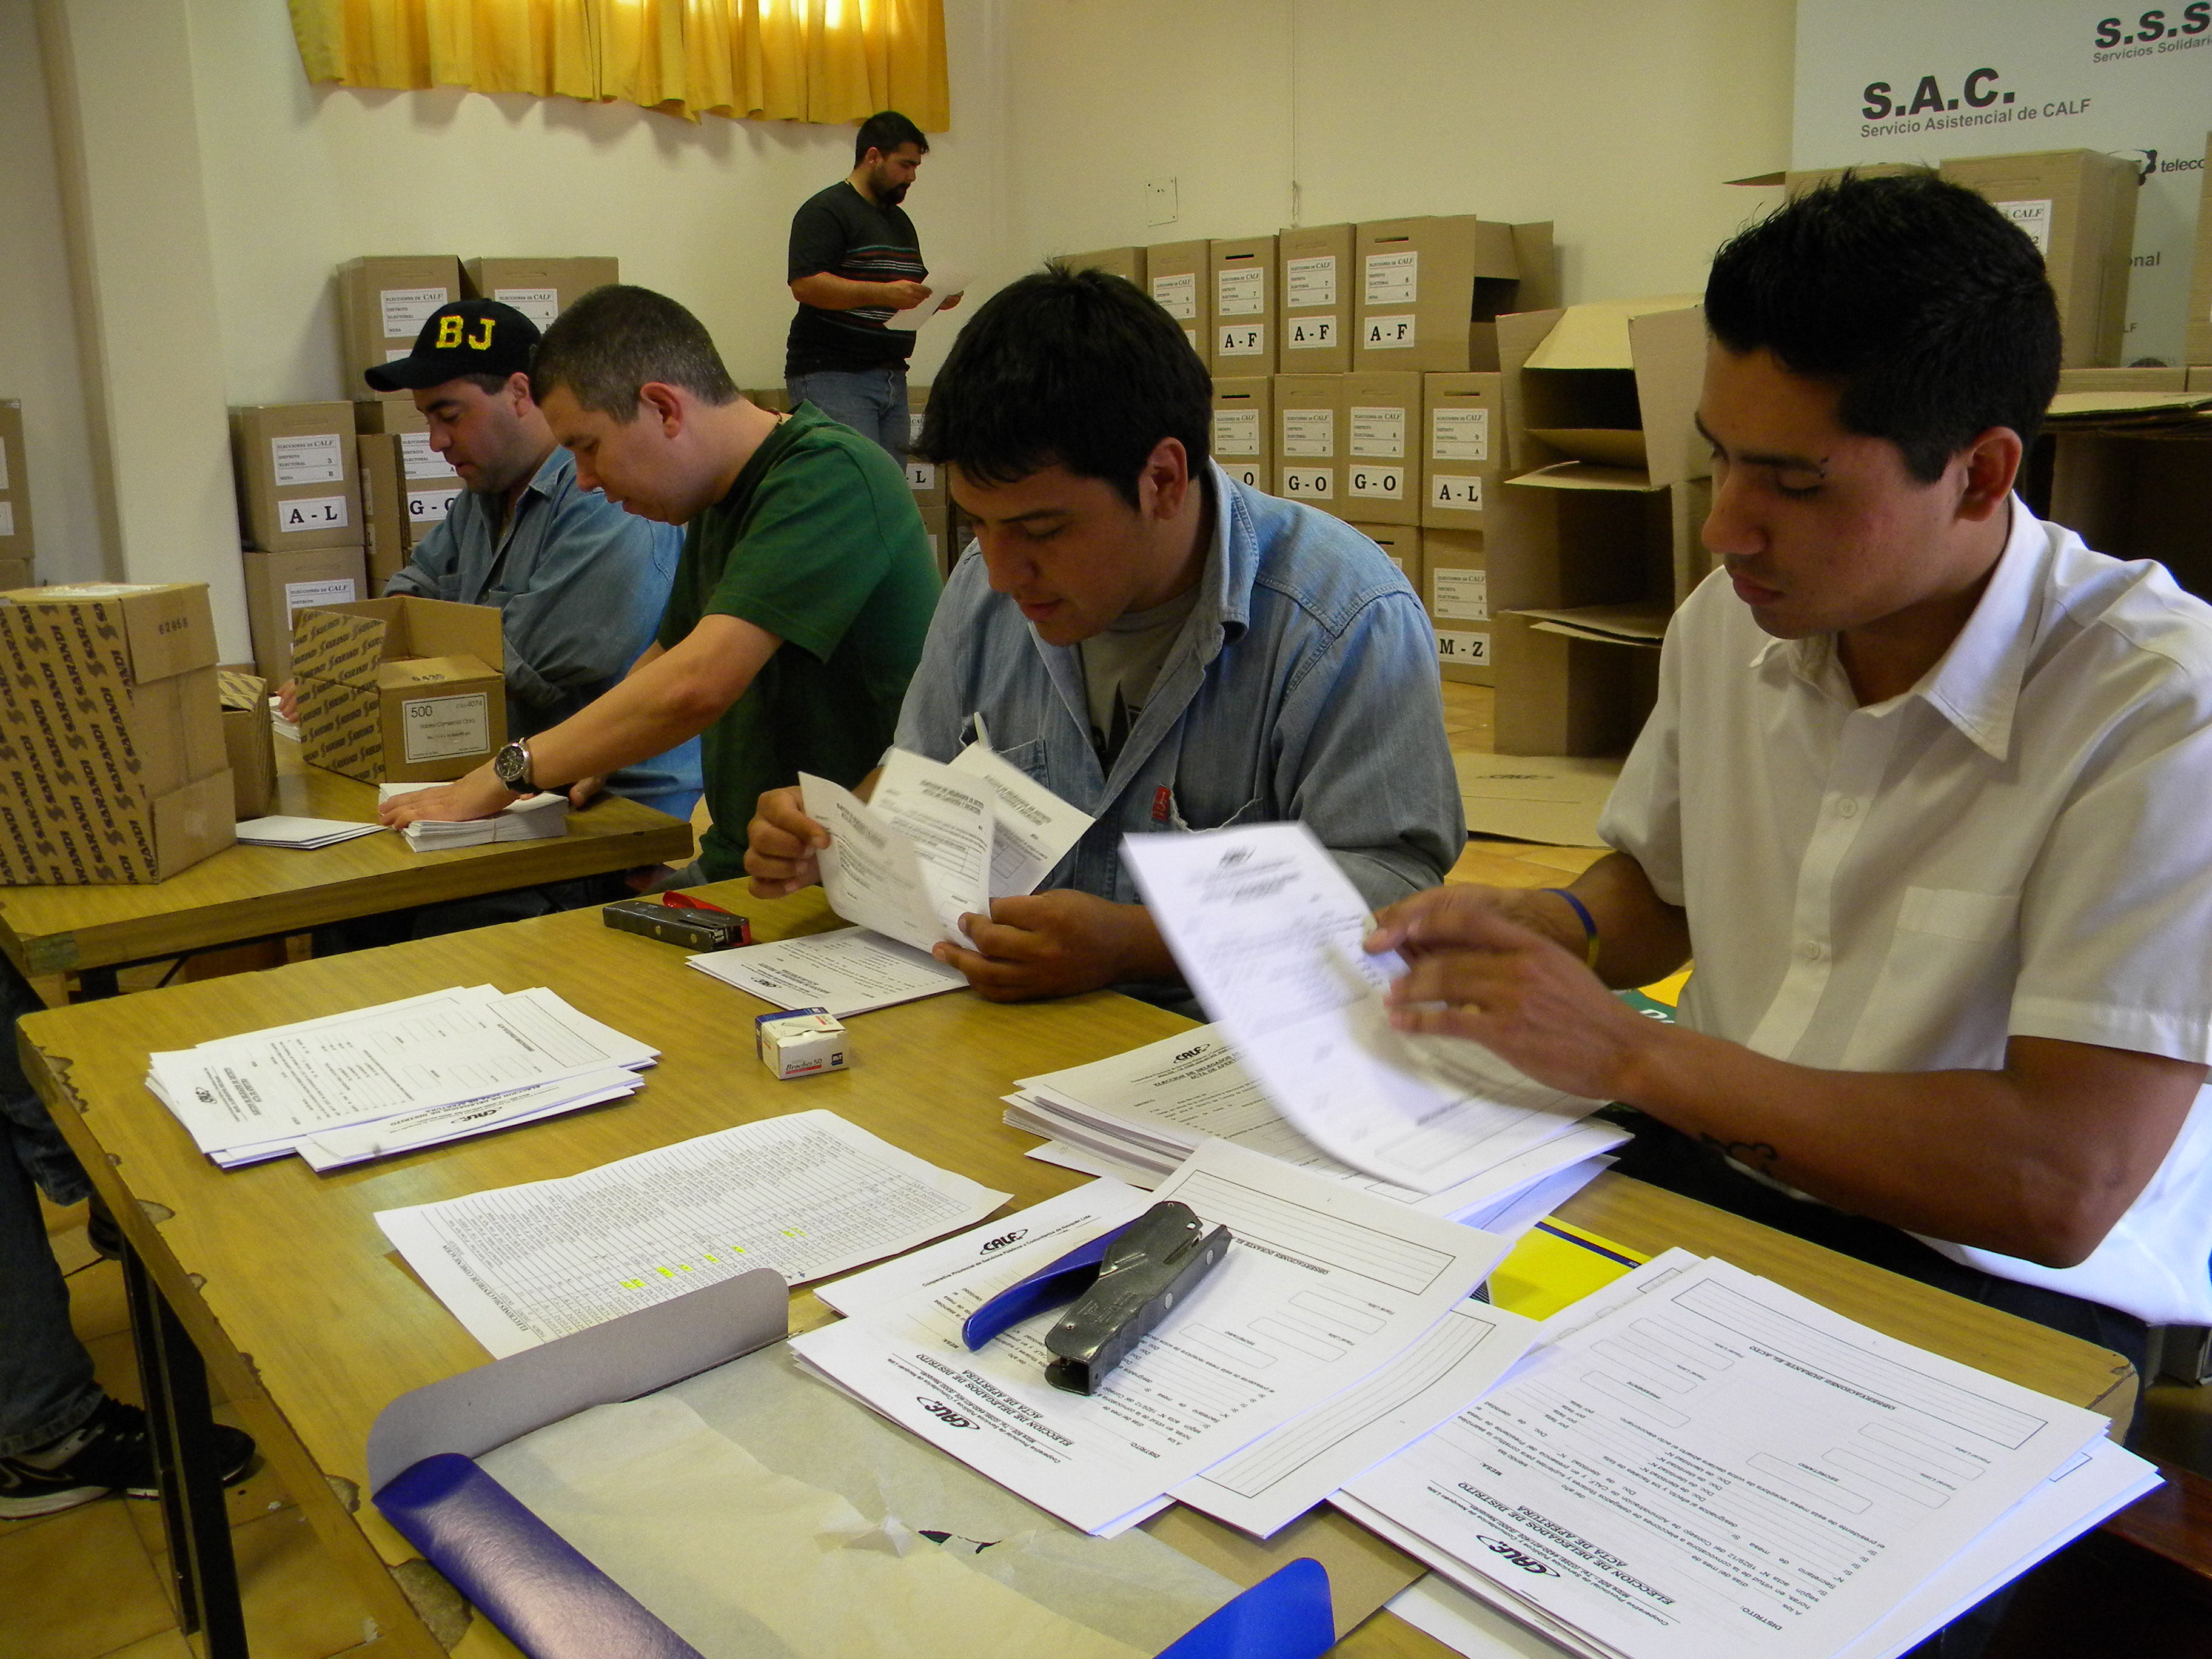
(1244, 429)
(800, 1041)
(1797, 182)
(1456, 587)
(1126, 263)
(2123, 379)
(299, 481)
(1178, 275)
(1382, 446)
(925, 480)
(111, 757)
(1563, 691)
(1429, 290)
(15, 541)
(388, 415)
(1310, 439)
(1313, 291)
(1462, 443)
(400, 691)
(2138, 498)
(2079, 205)
(1607, 392)
(15, 573)
(1244, 310)
(1401, 545)
(407, 488)
(249, 741)
(541, 289)
(278, 586)
(382, 306)
(2196, 343)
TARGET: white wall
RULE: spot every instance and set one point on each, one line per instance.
(1618, 121)
(39, 357)
(299, 177)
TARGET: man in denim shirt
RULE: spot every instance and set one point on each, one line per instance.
(1159, 645)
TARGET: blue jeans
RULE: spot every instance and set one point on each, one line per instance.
(45, 1376)
(871, 401)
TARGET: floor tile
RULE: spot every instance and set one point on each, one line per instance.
(79, 1586)
(169, 1645)
(298, 1605)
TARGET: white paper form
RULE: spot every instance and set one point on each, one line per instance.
(1033, 828)
(1166, 1097)
(1268, 931)
(1719, 1467)
(808, 1194)
(1322, 1287)
(1272, 1482)
(948, 285)
(913, 861)
(378, 1062)
(302, 835)
(848, 971)
(335, 1148)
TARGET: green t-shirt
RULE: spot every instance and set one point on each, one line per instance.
(817, 542)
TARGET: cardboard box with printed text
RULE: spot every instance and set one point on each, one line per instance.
(1243, 281)
(1382, 439)
(1429, 290)
(279, 586)
(408, 489)
(1178, 274)
(1244, 429)
(1310, 439)
(299, 481)
(1456, 588)
(383, 303)
(400, 691)
(1463, 445)
(112, 759)
(249, 740)
(541, 289)
(1313, 291)
(2079, 208)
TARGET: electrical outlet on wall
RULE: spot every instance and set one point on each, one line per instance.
(1160, 202)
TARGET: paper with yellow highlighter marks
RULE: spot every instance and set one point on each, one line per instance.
(808, 1194)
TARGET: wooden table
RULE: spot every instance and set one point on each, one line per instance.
(256, 892)
(312, 1324)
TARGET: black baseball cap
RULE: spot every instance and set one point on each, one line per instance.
(469, 336)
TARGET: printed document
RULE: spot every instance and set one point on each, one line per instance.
(302, 834)
(1268, 931)
(848, 971)
(910, 862)
(1718, 1467)
(808, 1194)
(1323, 1286)
(1033, 828)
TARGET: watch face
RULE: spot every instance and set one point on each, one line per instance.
(510, 764)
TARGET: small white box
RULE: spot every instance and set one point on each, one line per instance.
(800, 1042)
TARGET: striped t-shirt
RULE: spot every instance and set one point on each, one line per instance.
(845, 234)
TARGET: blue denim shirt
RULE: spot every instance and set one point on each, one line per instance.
(1303, 687)
(581, 586)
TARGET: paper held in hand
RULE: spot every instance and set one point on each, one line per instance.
(1268, 931)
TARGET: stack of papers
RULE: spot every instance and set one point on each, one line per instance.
(1337, 1329)
(303, 833)
(395, 1077)
(1268, 931)
(808, 1194)
(847, 972)
(1696, 1461)
(283, 728)
(1138, 1116)
(542, 817)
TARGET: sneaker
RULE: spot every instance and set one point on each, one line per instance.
(113, 1450)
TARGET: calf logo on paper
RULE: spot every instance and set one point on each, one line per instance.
(1518, 1557)
(942, 1413)
(1003, 1239)
(1235, 856)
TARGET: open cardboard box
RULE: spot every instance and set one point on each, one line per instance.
(1613, 384)
(400, 691)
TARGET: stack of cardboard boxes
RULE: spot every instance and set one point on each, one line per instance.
(16, 554)
(112, 765)
(300, 505)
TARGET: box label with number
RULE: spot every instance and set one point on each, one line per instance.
(439, 727)
(310, 458)
(1309, 283)
(1241, 293)
(1177, 295)
(1463, 595)
(1310, 432)
(1236, 432)
(1379, 431)
(1459, 434)
(1393, 279)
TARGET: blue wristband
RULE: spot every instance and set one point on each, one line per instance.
(1588, 921)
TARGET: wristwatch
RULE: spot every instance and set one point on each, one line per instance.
(511, 766)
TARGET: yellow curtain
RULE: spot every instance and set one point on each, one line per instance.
(780, 60)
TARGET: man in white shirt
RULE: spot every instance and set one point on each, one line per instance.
(1924, 797)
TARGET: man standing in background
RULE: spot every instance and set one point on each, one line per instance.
(855, 263)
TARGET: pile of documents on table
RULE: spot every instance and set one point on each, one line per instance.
(1695, 1461)
(1137, 1116)
(301, 834)
(933, 844)
(542, 817)
(395, 1077)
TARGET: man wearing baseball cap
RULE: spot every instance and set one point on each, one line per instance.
(580, 583)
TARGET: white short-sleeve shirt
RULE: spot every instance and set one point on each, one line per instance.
(2020, 845)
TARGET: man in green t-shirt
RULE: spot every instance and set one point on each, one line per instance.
(800, 603)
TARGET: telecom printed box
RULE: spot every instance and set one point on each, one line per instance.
(299, 483)
(249, 741)
(541, 289)
(1244, 429)
(15, 488)
(2078, 206)
(1176, 273)
(112, 765)
(383, 303)
(1381, 440)
(1309, 439)
(400, 691)
(279, 586)
(1430, 290)
(1244, 309)
(1314, 294)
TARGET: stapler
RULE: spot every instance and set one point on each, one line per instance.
(1123, 1283)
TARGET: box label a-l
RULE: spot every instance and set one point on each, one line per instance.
(1463, 650)
(1236, 432)
(2034, 218)
(310, 458)
(1459, 494)
(1240, 291)
(921, 476)
(440, 728)
(314, 512)
(406, 309)
(1177, 295)
(540, 305)
(1463, 595)
(1308, 333)
(1393, 279)
(1309, 283)
(1459, 434)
